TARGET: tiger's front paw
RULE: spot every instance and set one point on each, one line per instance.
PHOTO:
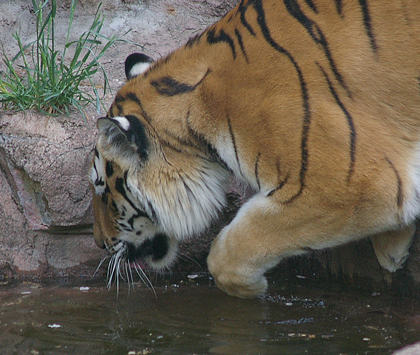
(392, 248)
(234, 275)
(244, 289)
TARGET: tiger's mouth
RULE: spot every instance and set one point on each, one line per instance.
(156, 253)
(131, 256)
(150, 252)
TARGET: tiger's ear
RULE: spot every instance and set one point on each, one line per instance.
(123, 140)
(136, 64)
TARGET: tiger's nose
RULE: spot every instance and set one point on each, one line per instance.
(97, 237)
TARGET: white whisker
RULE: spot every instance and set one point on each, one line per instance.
(118, 274)
(100, 264)
(120, 268)
(131, 275)
(145, 279)
(111, 269)
(188, 258)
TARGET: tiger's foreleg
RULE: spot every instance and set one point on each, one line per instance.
(262, 233)
(392, 247)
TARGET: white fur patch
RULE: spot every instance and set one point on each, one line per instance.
(139, 69)
(411, 208)
(226, 150)
(184, 205)
(97, 174)
(122, 122)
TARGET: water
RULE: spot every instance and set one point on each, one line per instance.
(191, 316)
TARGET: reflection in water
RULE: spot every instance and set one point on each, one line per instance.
(194, 317)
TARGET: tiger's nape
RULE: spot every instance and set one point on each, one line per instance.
(313, 104)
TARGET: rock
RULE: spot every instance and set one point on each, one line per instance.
(45, 160)
(44, 192)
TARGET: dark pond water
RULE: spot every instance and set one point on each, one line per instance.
(191, 316)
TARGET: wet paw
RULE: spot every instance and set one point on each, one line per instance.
(235, 268)
(242, 290)
(392, 248)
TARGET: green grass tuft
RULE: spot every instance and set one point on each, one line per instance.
(49, 80)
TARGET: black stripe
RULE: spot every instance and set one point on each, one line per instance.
(123, 227)
(134, 134)
(153, 217)
(256, 170)
(318, 37)
(130, 221)
(170, 87)
(193, 40)
(234, 143)
(185, 142)
(105, 195)
(119, 186)
(213, 155)
(114, 206)
(212, 38)
(166, 144)
(242, 10)
(120, 110)
(241, 44)
(280, 183)
(109, 169)
(137, 134)
(339, 6)
(99, 181)
(133, 97)
(111, 111)
(349, 122)
(120, 99)
(197, 144)
(144, 114)
(399, 183)
(198, 137)
(312, 5)
(368, 24)
(304, 93)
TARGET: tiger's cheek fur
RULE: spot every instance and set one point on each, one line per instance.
(186, 200)
(104, 231)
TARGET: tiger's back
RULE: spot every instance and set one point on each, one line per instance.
(314, 104)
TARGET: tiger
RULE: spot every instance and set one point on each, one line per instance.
(312, 104)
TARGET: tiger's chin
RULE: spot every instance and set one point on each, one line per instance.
(156, 253)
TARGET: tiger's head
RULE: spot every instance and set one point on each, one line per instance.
(121, 224)
(150, 192)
